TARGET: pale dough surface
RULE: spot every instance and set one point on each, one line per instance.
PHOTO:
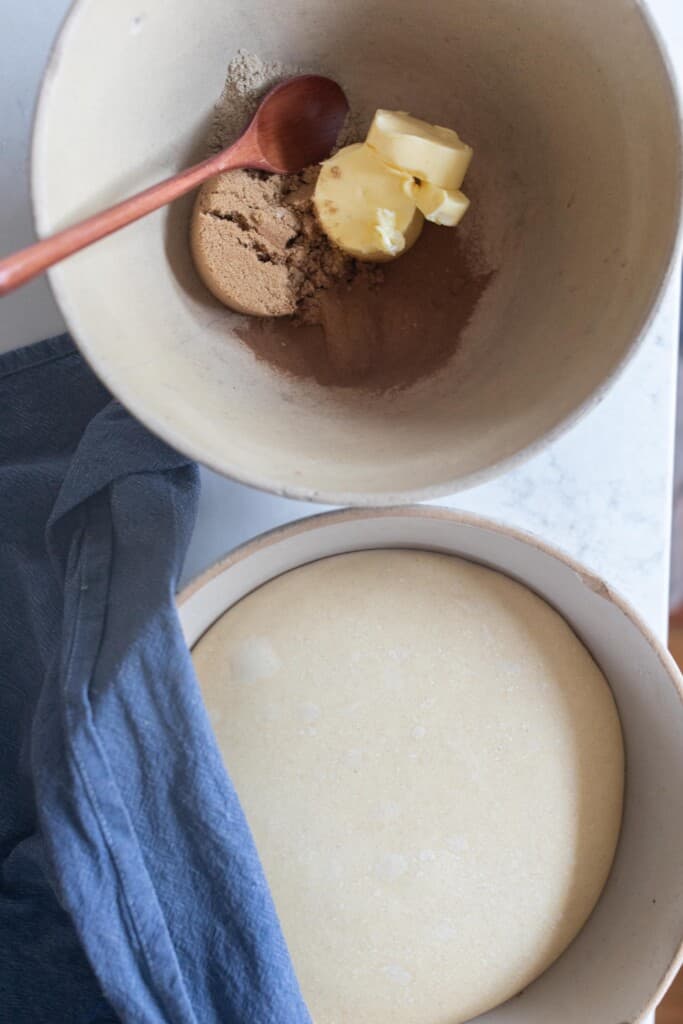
(432, 767)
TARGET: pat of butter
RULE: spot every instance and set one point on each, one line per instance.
(441, 206)
(364, 206)
(426, 151)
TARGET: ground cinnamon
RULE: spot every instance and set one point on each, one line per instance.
(381, 337)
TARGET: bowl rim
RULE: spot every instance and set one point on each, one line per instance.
(588, 578)
(359, 498)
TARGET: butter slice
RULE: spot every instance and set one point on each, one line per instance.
(426, 151)
(364, 207)
(441, 206)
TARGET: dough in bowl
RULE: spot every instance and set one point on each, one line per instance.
(432, 766)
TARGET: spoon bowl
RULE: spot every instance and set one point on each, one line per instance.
(298, 123)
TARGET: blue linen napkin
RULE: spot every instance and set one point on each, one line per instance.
(129, 885)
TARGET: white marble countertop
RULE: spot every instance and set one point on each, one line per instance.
(602, 492)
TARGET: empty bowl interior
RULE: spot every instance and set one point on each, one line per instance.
(622, 960)
(575, 184)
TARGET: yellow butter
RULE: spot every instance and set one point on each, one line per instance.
(441, 206)
(364, 207)
(428, 152)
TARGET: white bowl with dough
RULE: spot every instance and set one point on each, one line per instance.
(627, 953)
(573, 118)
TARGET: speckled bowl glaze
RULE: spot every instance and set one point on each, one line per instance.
(621, 963)
(577, 172)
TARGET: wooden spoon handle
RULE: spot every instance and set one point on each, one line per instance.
(24, 265)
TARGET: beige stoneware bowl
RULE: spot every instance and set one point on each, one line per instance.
(576, 176)
(622, 961)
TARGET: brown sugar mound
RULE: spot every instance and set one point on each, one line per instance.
(258, 247)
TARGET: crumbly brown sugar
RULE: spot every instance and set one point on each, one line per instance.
(259, 248)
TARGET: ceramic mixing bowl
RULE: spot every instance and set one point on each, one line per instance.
(573, 118)
(626, 955)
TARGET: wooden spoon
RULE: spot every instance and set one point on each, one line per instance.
(296, 124)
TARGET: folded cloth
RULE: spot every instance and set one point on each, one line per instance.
(130, 889)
